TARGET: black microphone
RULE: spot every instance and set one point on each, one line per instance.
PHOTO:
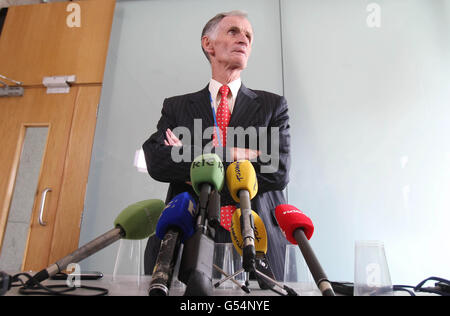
(175, 225)
(207, 174)
(214, 209)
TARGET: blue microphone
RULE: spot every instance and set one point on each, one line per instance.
(175, 225)
(178, 214)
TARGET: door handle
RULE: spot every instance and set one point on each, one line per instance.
(41, 212)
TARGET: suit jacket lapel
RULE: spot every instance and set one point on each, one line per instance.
(245, 107)
(201, 104)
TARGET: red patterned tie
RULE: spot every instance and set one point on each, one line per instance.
(226, 213)
(223, 116)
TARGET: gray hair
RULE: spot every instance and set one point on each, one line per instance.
(211, 27)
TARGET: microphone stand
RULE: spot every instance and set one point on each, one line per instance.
(261, 277)
(231, 278)
(271, 283)
(249, 255)
(196, 261)
(248, 234)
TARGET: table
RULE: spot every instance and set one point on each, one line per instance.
(132, 286)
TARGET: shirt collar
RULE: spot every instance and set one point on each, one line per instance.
(234, 86)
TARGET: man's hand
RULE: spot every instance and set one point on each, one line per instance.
(237, 153)
(244, 153)
(171, 139)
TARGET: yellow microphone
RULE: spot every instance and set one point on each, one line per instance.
(243, 186)
(263, 273)
(259, 231)
(241, 176)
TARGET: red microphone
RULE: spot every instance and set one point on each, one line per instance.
(298, 229)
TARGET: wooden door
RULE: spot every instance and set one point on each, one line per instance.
(35, 108)
(39, 41)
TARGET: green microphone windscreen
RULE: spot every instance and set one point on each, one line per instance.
(207, 168)
(138, 221)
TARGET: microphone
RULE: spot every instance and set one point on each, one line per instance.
(175, 225)
(238, 243)
(214, 209)
(137, 221)
(207, 174)
(262, 269)
(298, 229)
(243, 186)
(259, 232)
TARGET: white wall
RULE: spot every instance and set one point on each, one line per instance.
(369, 117)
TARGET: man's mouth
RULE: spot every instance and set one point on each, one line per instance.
(240, 51)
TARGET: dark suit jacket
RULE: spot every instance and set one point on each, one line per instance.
(252, 108)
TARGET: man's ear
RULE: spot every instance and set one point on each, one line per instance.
(207, 45)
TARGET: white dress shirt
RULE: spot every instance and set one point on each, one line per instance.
(214, 87)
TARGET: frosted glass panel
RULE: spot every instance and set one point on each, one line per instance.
(370, 122)
(22, 202)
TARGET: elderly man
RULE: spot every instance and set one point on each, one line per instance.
(225, 103)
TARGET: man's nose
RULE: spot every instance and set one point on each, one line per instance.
(243, 39)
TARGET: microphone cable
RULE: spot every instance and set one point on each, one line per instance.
(34, 287)
(441, 287)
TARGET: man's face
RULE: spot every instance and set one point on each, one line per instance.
(232, 44)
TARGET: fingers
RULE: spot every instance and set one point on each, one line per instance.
(238, 153)
(245, 154)
(253, 154)
(171, 139)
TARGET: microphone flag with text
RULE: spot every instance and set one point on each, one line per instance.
(207, 178)
(137, 221)
(298, 229)
(175, 225)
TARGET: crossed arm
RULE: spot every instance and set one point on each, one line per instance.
(237, 153)
(162, 168)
